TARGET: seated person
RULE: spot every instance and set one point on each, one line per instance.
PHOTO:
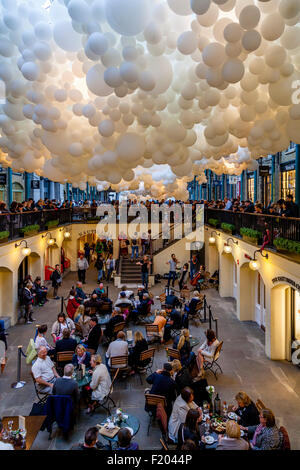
(124, 440)
(174, 322)
(81, 356)
(99, 290)
(183, 403)
(66, 385)
(246, 410)
(182, 343)
(95, 333)
(60, 325)
(90, 439)
(80, 296)
(171, 299)
(160, 320)
(207, 350)
(123, 301)
(232, 439)
(184, 379)
(266, 436)
(119, 347)
(44, 371)
(82, 318)
(116, 318)
(191, 429)
(93, 302)
(141, 291)
(40, 291)
(140, 345)
(143, 307)
(65, 344)
(40, 340)
(72, 304)
(128, 293)
(100, 383)
(163, 384)
(191, 309)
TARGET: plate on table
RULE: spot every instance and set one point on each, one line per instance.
(209, 440)
(242, 433)
(130, 430)
(232, 415)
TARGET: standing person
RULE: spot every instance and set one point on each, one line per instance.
(134, 246)
(172, 273)
(194, 266)
(110, 266)
(94, 208)
(99, 266)
(28, 298)
(144, 243)
(145, 264)
(56, 281)
(87, 251)
(183, 276)
(82, 266)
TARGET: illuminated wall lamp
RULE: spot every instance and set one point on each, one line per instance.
(67, 234)
(26, 250)
(212, 239)
(50, 240)
(227, 247)
(254, 264)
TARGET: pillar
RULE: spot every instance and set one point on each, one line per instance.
(297, 178)
(68, 191)
(273, 179)
(28, 179)
(255, 186)
(223, 187)
(51, 190)
(209, 184)
(242, 186)
(9, 186)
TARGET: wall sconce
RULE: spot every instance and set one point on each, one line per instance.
(254, 264)
(26, 250)
(50, 240)
(67, 234)
(212, 239)
(227, 247)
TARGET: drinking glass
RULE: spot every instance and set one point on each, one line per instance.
(10, 425)
(207, 427)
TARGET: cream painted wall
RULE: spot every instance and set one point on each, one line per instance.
(226, 272)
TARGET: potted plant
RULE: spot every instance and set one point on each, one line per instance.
(4, 236)
(92, 220)
(228, 228)
(52, 223)
(286, 246)
(250, 235)
(213, 222)
(30, 230)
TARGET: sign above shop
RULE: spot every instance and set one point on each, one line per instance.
(2, 178)
(292, 283)
(264, 170)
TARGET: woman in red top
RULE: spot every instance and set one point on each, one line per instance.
(72, 304)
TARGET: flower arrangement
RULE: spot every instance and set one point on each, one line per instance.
(210, 390)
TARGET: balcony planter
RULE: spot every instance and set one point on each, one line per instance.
(251, 236)
(93, 221)
(30, 230)
(288, 247)
(228, 228)
(52, 223)
(4, 236)
(214, 222)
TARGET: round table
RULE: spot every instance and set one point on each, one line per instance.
(194, 342)
(85, 380)
(131, 422)
(104, 319)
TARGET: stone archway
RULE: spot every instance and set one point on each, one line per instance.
(246, 297)
(34, 265)
(52, 255)
(227, 275)
(6, 292)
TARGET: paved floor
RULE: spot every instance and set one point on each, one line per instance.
(243, 361)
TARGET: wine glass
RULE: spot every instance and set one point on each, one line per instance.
(10, 425)
(207, 426)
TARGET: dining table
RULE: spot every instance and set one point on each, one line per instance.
(33, 425)
(104, 319)
(85, 380)
(215, 435)
(129, 421)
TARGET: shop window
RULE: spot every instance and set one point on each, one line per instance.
(17, 192)
(250, 189)
(288, 183)
(2, 192)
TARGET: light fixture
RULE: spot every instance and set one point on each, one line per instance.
(67, 234)
(254, 264)
(212, 239)
(26, 250)
(50, 240)
(227, 247)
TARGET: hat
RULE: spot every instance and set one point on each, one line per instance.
(167, 367)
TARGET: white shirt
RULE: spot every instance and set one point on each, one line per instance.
(6, 446)
(117, 348)
(82, 263)
(43, 368)
(128, 293)
(41, 341)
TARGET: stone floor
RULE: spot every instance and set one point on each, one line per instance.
(245, 367)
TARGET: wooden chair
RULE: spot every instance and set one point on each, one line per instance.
(64, 356)
(119, 362)
(106, 307)
(173, 353)
(286, 443)
(213, 365)
(163, 443)
(93, 311)
(260, 405)
(198, 310)
(42, 396)
(144, 356)
(105, 403)
(118, 327)
(152, 401)
(152, 334)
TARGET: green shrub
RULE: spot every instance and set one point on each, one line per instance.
(93, 219)
(52, 223)
(4, 234)
(227, 227)
(249, 232)
(213, 222)
(30, 228)
(285, 244)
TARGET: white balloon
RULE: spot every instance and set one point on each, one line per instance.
(200, 6)
(272, 27)
(129, 72)
(249, 17)
(65, 36)
(98, 43)
(76, 149)
(213, 54)
(180, 7)
(30, 71)
(233, 70)
(130, 147)
(95, 81)
(128, 18)
(187, 42)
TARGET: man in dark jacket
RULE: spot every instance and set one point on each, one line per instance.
(80, 295)
(27, 300)
(93, 303)
(163, 384)
(65, 344)
(56, 281)
(249, 206)
(171, 299)
(94, 336)
(174, 322)
(66, 385)
(116, 318)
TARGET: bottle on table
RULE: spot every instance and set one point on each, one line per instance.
(225, 409)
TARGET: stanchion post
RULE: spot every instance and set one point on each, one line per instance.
(19, 383)
(62, 305)
(205, 306)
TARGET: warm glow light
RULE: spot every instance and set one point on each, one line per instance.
(212, 240)
(67, 234)
(50, 241)
(254, 264)
(26, 251)
(227, 249)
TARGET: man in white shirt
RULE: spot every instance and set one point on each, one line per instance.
(82, 266)
(128, 293)
(4, 445)
(44, 371)
(119, 347)
(123, 300)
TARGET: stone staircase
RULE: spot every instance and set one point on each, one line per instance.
(130, 272)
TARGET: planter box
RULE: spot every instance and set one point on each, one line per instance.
(254, 241)
(51, 225)
(4, 240)
(290, 254)
(29, 233)
(92, 221)
(231, 232)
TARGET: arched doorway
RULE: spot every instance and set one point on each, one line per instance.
(260, 301)
(34, 265)
(212, 258)
(23, 271)
(52, 256)
(285, 321)
(247, 293)
(227, 276)
(6, 292)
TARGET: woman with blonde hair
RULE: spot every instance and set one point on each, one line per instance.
(160, 320)
(232, 439)
(82, 318)
(182, 343)
(81, 356)
(246, 410)
(100, 383)
(140, 345)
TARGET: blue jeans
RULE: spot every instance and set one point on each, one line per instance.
(172, 275)
(100, 274)
(134, 251)
(145, 277)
